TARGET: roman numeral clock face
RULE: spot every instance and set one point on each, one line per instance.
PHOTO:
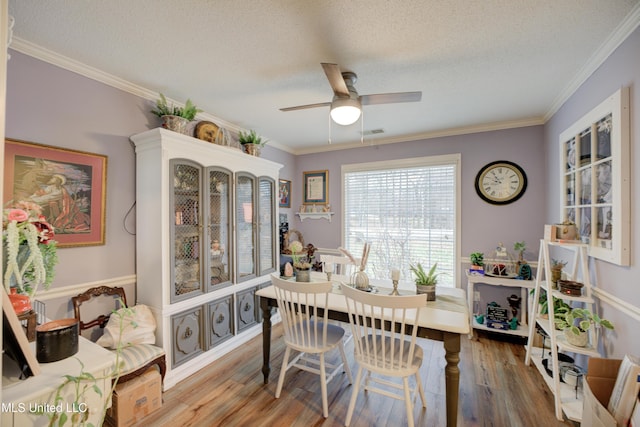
(501, 182)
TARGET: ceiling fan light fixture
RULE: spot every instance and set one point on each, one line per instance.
(345, 111)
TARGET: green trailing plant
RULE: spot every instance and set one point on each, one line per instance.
(251, 137)
(188, 112)
(559, 306)
(477, 258)
(424, 278)
(579, 320)
(86, 382)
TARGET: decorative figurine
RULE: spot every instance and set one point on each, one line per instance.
(288, 270)
(514, 303)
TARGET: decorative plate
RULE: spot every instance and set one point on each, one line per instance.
(207, 131)
(503, 276)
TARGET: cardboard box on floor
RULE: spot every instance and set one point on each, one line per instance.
(600, 379)
(135, 399)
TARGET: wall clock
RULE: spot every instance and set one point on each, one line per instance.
(501, 182)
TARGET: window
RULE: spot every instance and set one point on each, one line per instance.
(595, 178)
(407, 210)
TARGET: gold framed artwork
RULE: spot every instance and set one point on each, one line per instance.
(316, 187)
(69, 186)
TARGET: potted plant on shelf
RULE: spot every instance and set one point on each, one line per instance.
(575, 322)
(520, 247)
(251, 142)
(559, 306)
(556, 271)
(425, 281)
(477, 262)
(175, 118)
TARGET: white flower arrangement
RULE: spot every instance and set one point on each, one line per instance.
(30, 249)
(300, 262)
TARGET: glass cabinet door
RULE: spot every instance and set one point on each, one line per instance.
(245, 227)
(186, 231)
(218, 223)
(266, 228)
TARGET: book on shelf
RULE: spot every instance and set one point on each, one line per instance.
(550, 233)
(625, 391)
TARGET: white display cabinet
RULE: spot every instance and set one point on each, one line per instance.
(205, 233)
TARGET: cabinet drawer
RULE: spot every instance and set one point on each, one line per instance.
(246, 308)
(187, 335)
(220, 320)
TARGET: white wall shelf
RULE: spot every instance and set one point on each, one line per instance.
(314, 215)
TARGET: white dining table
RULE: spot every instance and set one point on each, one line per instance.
(446, 319)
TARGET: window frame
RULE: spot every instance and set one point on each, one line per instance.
(453, 159)
(615, 248)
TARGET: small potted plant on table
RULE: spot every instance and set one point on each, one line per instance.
(425, 281)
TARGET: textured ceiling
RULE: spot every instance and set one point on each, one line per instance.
(479, 64)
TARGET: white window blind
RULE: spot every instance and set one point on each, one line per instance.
(407, 213)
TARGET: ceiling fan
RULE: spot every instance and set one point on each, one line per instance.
(346, 105)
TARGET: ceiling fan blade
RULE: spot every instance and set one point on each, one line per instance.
(335, 79)
(390, 98)
(304, 107)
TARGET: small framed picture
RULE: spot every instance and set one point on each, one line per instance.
(284, 193)
(316, 187)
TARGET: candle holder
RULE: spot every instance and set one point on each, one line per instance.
(395, 288)
(329, 276)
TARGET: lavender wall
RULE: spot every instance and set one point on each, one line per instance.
(48, 105)
(483, 225)
(620, 284)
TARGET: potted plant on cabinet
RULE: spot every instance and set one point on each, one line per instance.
(477, 262)
(251, 142)
(575, 323)
(425, 281)
(175, 118)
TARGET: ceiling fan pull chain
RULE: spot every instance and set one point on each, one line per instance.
(362, 128)
(329, 116)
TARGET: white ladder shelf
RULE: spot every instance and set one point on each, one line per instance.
(565, 396)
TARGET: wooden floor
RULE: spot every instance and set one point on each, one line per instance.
(496, 389)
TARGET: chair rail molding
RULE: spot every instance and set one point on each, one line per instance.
(73, 290)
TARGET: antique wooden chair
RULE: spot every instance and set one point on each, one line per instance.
(136, 359)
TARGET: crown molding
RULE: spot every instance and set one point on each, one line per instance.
(488, 127)
(84, 70)
(620, 34)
